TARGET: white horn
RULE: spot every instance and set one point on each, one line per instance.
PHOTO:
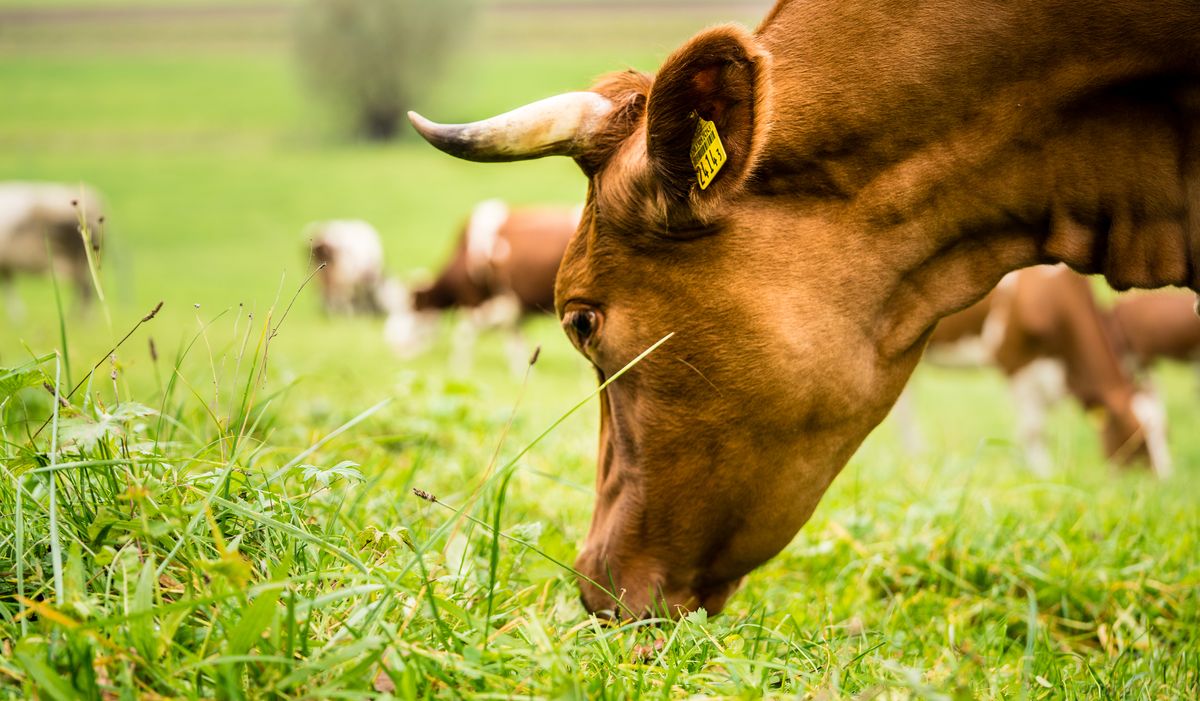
(563, 125)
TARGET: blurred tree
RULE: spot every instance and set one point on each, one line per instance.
(372, 58)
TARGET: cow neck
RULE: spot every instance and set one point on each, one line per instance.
(959, 163)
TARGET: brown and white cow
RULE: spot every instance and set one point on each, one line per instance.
(1042, 328)
(501, 270)
(885, 164)
(1153, 326)
(352, 255)
(40, 232)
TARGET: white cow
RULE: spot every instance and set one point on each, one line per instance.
(353, 258)
(40, 232)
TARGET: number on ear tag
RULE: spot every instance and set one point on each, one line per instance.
(708, 155)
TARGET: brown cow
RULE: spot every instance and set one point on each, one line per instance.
(1156, 325)
(1041, 327)
(885, 164)
(502, 269)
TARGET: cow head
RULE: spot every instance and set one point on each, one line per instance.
(1139, 436)
(715, 449)
(800, 285)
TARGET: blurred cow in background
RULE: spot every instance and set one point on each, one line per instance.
(1152, 326)
(502, 269)
(352, 254)
(1041, 327)
(40, 233)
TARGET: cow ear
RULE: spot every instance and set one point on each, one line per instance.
(713, 88)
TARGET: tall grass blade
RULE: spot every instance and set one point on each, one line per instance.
(62, 317)
(55, 544)
(19, 537)
(494, 560)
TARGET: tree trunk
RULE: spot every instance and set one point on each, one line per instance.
(380, 124)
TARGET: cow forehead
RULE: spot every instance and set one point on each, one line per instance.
(591, 262)
(624, 197)
(617, 218)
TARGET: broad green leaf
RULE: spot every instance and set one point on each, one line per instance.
(13, 381)
(254, 620)
(86, 433)
(142, 628)
(128, 411)
(75, 593)
(31, 656)
(345, 469)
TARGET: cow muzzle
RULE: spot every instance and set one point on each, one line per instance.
(643, 588)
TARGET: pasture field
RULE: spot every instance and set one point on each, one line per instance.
(224, 509)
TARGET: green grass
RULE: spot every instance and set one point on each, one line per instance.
(233, 518)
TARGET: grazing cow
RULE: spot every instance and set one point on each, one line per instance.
(502, 268)
(1156, 325)
(353, 257)
(799, 205)
(1041, 327)
(39, 232)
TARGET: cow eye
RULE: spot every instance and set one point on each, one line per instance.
(581, 324)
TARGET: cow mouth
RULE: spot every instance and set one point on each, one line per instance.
(711, 599)
(620, 602)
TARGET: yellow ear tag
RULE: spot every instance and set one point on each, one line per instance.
(708, 155)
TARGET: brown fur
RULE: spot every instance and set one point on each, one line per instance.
(892, 161)
(901, 160)
(1157, 325)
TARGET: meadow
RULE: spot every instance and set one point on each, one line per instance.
(224, 508)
